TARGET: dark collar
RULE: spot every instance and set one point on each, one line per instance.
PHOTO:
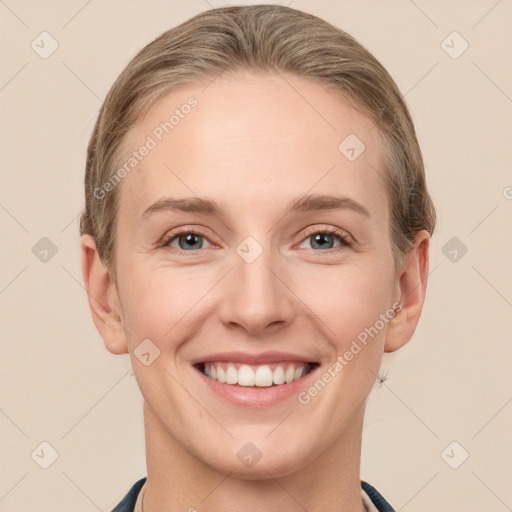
(128, 502)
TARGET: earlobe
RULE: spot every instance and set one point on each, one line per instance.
(102, 297)
(412, 285)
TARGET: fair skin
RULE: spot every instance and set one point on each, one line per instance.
(254, 145)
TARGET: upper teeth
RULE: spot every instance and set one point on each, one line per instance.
(258, 375)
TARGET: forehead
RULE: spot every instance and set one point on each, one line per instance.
(244, 137)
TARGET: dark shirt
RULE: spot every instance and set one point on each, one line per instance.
(128, 502)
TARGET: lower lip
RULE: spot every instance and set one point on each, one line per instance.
(257, 396)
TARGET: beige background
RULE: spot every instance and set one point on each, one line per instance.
(452, 382)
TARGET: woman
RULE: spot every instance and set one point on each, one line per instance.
(255, 235)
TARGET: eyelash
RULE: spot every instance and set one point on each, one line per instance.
(338, 233)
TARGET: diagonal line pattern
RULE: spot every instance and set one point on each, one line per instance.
(199, 403)
(14, 76)
(508, 507)
(98, 401)
(13, 217)
(70, 222)
(13, 279)
(407, 502)
(76, 14)
(279, 424)
(491, 80)
(14, 423)
(485, 15)
(81, 81)
(484, 218)
(14, 14)
(287, 492)
(422, 78)
(381, 175)
(85, 494)
(488, 282)
(503, 407)
(410, 409)
(5, 495)
(424, 13)
(217, 486)
(214, 78)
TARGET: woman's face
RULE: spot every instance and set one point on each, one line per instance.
(250, 289)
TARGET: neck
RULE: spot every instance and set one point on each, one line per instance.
(176, 480)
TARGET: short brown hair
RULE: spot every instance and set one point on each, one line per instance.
(264, 38)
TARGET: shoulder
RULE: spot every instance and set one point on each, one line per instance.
(127, 504)
(377, 499)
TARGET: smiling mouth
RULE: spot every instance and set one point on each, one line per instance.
(263, 375)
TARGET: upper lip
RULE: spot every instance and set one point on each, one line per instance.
(251, 358)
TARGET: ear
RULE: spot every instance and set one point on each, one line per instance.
(103, 298)
(412, 285)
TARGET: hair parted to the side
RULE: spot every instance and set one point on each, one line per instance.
(263, 38)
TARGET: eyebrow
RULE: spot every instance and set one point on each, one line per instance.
(307, 203)
(313, 202)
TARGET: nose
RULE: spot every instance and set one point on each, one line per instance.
(256, 297)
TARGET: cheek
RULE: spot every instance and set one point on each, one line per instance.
(160, 301)
(353, 307)
(349, 299)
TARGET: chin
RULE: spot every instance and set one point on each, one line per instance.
(253, 461)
